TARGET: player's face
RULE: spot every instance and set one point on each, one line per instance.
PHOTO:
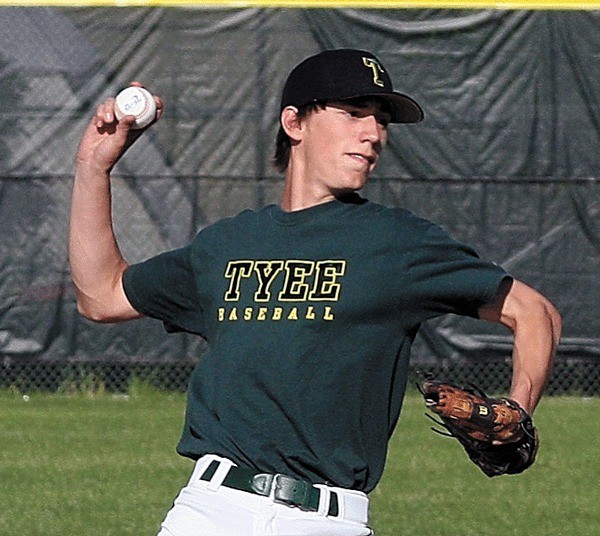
(342, 143)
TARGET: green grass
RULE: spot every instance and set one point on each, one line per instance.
(89, 466)
(101, 465)
(431, 488)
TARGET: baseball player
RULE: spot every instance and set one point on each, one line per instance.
(309, 309)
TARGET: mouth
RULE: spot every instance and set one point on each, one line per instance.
(366, 159)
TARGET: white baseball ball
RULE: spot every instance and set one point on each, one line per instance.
(138, 102)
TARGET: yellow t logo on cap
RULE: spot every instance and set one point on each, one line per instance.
(376, 68)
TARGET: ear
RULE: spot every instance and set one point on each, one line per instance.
(291, 123)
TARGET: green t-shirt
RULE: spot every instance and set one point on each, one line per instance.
(309, 318)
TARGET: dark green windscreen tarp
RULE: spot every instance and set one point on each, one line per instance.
(508, 158)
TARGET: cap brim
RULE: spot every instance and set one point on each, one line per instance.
(403, 108)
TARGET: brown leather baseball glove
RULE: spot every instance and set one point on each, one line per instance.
(497, 434)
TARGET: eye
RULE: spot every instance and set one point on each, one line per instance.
(383, 119)
(349, 111)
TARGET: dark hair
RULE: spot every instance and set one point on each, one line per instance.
(283, 143)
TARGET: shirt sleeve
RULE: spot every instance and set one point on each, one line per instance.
(452, 278)
(164, 288)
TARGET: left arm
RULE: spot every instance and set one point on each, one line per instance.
(536, 327)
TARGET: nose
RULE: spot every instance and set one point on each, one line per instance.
(372, 131)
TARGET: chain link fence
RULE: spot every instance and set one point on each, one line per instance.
(569, 377)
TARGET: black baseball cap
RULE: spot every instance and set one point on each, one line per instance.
(344, 73)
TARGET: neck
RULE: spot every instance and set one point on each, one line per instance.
(300, 192)
(297, 197)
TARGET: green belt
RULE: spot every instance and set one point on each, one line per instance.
(291, 491)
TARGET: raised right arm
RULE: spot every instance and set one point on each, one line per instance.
(96, 262)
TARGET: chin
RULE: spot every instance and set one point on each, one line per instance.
(350, 189)
(358, 183)
(350, 182)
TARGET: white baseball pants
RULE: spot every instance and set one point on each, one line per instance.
(206, 508)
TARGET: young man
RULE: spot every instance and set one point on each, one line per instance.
(309, 309)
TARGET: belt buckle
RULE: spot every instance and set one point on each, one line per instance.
(292, 491)
(262, 484)
(288, 490)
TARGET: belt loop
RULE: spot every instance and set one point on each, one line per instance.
(324, 499)
(220, 474)
(329, 503)
(215, 471)
(206, 465)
